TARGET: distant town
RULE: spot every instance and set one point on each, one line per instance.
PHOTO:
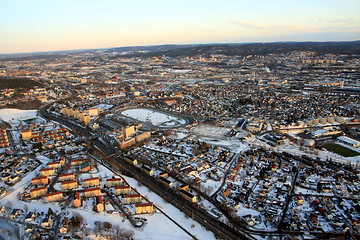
(118, 143)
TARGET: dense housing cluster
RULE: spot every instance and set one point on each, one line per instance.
(266, 144)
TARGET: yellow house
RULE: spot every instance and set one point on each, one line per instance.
(112, 182)
(166, 182)
(147, 170)
(92, 192)
(53, 197)
(47, 172)
(132, 161)
(122, 190)
(26, 135)
(40, 180)
(77, 200)
(66, 111)
(69, 184)
(90, 182)
(85, 119)
(55, 165)
(132, 198)
(127, 144)
(99, 204)
(93, 112)
(144, 208)
(78, 161)
(76, 114)
(188, 196)
(66, 177)
(129, 131)
(300, 200)
(38, 192)
(143, 136)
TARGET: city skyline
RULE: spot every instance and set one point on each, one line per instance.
(53, 25)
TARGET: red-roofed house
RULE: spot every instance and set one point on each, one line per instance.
(132, 198)
(92, 192)
(90, 182)
(66, 177)
(122, 190)
(38, 192)
(47, 172)
(40, 180)
(143, 208)
(53, 197)
(112, 182)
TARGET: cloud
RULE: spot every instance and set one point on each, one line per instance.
(338, 29)
(280, 27)
(250, 25)
(347, 21)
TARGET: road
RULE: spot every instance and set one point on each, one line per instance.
(8, 230)
(219, 228)
(288, 199)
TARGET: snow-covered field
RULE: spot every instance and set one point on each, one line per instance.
(216, 136)
(155, 118)
(210, 131)
(10, 114)
(103, 106)
(161, 227)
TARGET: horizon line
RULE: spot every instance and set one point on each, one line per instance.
(168, 44)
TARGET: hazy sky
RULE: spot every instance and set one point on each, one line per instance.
(46, 25)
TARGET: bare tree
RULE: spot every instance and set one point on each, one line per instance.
(26, 208)
(8, 205)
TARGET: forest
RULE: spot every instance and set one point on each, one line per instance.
(15, 83)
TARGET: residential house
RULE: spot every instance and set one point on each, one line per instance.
(54, 197)
(166, 182)
(38, 192)
(132, 198)
(99, 204)
(147, 170)
(69, 184)
(122, 190)
(143, 208)
(40, 180)
(92, 192)
(47, 172)
(188, 196)
(77, 200)
(112, 182)
(90, 182)
(66, 177)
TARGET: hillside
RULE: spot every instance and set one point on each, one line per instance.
(348, 48)
(15, 83)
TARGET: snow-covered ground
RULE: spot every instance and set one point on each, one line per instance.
(210, 131)
(323, 154)
(103, 106)
(216, 136)
(155, 228)
(11, 114)
(154, 117)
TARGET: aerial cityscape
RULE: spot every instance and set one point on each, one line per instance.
(131, 120)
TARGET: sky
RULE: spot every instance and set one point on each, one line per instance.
(51, 25)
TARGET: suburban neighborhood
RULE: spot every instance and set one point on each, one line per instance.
(215, 146)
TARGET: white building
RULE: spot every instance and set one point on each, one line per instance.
(348, 141)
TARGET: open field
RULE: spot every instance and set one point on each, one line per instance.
(343, 151)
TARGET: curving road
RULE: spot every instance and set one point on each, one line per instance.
(219, 228)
